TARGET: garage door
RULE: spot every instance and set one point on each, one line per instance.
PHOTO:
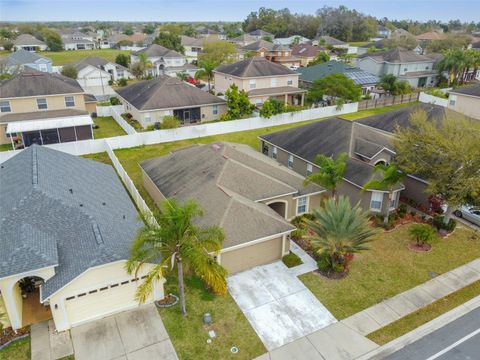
(101, 302)
(251, 256)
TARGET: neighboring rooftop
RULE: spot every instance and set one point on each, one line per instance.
(469, 90)
(260, 32)
(39, 115)
(254, 67)
(95, 61)
(21, 57)
(155, 50)
(431, 35)
(396, 56)
(27, 39)
(328, 40)
(190, 41)
(305, 50)
(244, 38)
(316, 72)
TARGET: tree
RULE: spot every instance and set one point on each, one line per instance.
(53, 40)
(272, 107)
(445, 153)
(124, 43)
(218, 52)
(182, 75)
(339, 231)
(453, 62)
(69, 71)
(149, 29)
(391, 177)
(336, 87)
(137, 69)
(452, 41)
(128, 30)
(322, 57)
(422, 233)
(177, 241)
(330, 172)
(205, 71)
(170, 41)
(123, 59)
(238, 104)
(393, 86)
(404, 41)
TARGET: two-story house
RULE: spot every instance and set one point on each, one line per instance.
(407, 65)
(97, 71)
(192, 46)
(24, 60)
(164, 61)
(261, 79)
(280, 54)
(43, 108)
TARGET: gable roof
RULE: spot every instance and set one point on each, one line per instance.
(21, 57)
(431, 35)
(315, 72)
(244, 38)
(260, 32)
(396, 56)
(27, 39)
(254, 67)
(305, 50)
(330, 40)
(34, 83)
(469, 90)
(259, 44)
(95, 61)
(165, 92)
(158, 50)
(190, 41)
(64, 210)
(70, 40)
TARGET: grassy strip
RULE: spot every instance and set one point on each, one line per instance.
(425, 314)
(379, 110)
(107, 127)
(18, 350)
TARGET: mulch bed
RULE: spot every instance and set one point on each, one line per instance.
(8, 334)
(419, 247)
(167, 301)
(331, 275)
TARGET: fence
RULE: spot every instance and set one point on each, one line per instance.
(430, 99)
(116, 113)
(387, 101)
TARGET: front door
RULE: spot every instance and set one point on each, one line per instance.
(422, 82)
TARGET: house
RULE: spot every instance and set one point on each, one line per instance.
(279, 54)
(211, 34)
(150, 100)
(78, 44)
(431, 36)
(29, 43)
(97, 71)
(253, 213)
(67, 228)
(21, 60)
(383, 32)
(294, 39)
(243, 40)
(42, 108)
(261, 35)
(261, 79)
(417, 70)
(326, 40)
(306, 53)
(164, 61)
(112, 41)
(360, 77)
(192, 46)
(366, 141)
(466, 100)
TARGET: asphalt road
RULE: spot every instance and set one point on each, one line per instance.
(458, 340)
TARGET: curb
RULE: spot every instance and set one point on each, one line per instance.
(422, 330)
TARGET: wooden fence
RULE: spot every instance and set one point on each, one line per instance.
(388, 100)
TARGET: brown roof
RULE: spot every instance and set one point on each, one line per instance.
(431, 35)
(137, 37)
(280, 90)
(254, 67)
(305, 50)
(39, 115)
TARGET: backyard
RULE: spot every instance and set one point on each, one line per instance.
(107, 127)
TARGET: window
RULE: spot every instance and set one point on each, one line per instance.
(393, 201)
(376, 201)
(42, 104)
(290, 161)
(43, 67)
(273, 82)
(215, 109)
(309, 169)
(69, 101)
(147, 117)
(5, 106)
(274, 152)
(289, 81)
(405, 69)
(253, 84)
(451, 103)
(258, 102)
(302, 204)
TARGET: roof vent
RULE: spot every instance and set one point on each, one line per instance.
(71, 191)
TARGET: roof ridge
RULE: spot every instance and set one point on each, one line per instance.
(34, 167)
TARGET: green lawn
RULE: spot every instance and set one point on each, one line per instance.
(369, 112)
(424, 315)
(389, 268)
(18, 350)
(66, 57)
(107, 127)
(6, 147)
(359, 43)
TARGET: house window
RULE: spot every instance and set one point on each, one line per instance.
(274, 152)
(147, 117)
(69, 101)
(451, 103)
(309, 169)
(215, 109)
(5, 106)
(42, 104)
(43, 67)
(376, 201)
(289, 81)
(393, 201)
(302, 204)
(253, 84)
(120, 74)
(258, 102)
(290, 161)
(273, 82)
(405, 69)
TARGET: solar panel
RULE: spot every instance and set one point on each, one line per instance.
(361, 77)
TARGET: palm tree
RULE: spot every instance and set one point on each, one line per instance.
(339, 231)
(389, 83)
(182, 75)
(205, 71)
(177, 241)
(330, 173)
(422, 233)
(453, 62)
(391, 177)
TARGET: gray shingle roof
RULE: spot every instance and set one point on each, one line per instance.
(470, 90)
(165, 92)
(276, 91)
(50, 204)
(397, 56)
(155, 50)
(27, 39)
(190, 41)
(21, 57)
(254, 67)
(44, 114)
(215, 176)
(330, 40)
(34, 83)
(95, 61)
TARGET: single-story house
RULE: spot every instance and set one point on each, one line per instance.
(466, 101)
(294, 39)
(67, 228)
(150, 100)
(253, 213)
(112, 41)
(29, 43)
(74, 43)
(21, 60)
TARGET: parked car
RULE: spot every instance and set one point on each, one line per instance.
(470, 213)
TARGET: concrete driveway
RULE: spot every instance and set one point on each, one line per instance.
(277, 304)
(137, 334)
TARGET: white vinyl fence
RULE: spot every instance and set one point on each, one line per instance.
(116, 112)
(430, 99)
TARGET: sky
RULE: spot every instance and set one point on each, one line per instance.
(225, 10)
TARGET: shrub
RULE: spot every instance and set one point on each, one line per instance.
(114, 101)
(69, 71)
(8, 46)
(436, 203)
(323, 262)
(422, 233)
(440, 225)
(122, 82)
(291, 260)
(402, 210)
(110, 82)
(437, 93)
(413, 213)
(297, 234)
(170, 122)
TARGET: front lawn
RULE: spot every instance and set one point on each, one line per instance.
(107, 127)
(18, 350)
(70, 56)
(369, 112)
(189, 335)
(389, 268)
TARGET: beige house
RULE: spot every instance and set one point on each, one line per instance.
(277, 53)
(43, 108)
(253, 213)
(261, 79)
(63, 250)
(466, 101)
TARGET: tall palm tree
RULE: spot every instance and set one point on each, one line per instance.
(205, 71)
(453, 62)
(391, 177)
(330, 173)
(339, 231)
(177, 241)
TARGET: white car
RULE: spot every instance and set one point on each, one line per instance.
(470, 213)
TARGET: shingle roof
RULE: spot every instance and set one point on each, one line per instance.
(34, 83)
(330, 40)
(470, 90)
(165, 92)
(431, 35)
(77, 41)
(260, 32)
(155, 50)
(214, 175)
(276, 91)
(57, 208)
(244, 38)
(254, 67)
(316, 72)
(21, 57)
(257, 45)
(305, 50)
(39, 115)
(96, 61)
(190, 41)
(27, 39)
(397, 56)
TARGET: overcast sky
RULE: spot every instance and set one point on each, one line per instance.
(226, 10)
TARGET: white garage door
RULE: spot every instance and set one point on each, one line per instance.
(101, 302)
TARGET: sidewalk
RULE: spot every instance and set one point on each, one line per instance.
(46, 344)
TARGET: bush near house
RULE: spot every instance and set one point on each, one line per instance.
(292, 260)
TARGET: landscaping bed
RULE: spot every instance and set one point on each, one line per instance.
(8, 334)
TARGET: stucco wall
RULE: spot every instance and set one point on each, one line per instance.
(54, 102)
(467, 105)
(415, 190)
(224, 81)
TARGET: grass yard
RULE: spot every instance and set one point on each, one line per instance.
(369, 112)
(107, 127)
(18, 350)
(424, 315)
(189, 335)
(359, 43)
(70, 56)
(6, 147)
(389, 268)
